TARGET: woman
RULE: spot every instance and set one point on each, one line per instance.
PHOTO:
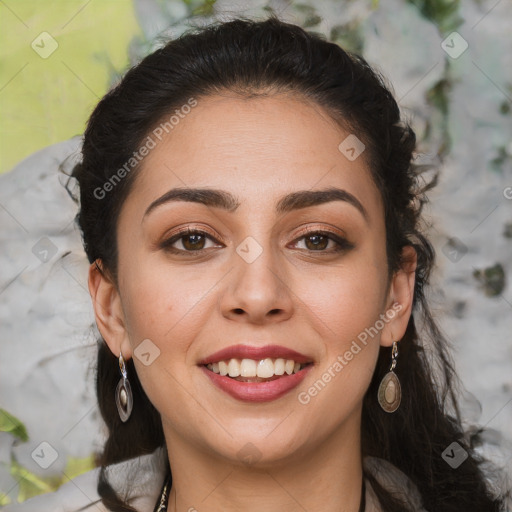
(252, 220)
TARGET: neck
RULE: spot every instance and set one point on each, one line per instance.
(324, 478)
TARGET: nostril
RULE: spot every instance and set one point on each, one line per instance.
(238, 311)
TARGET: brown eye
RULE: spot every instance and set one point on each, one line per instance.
(316, 242)
(193, 242)
(189, 241)
(322, 242)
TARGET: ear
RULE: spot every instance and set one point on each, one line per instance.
(400, 298)
(108, 311)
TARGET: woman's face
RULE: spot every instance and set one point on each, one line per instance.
(274, 268)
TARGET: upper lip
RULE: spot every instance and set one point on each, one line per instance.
(256, 353)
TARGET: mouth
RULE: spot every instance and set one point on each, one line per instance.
(256, 374)
(252, 370)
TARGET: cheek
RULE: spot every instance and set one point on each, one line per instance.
(347, 300)
(168, 307)
(160, 302)
(346, 305)
(345, 312)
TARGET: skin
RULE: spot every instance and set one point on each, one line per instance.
(313, 301)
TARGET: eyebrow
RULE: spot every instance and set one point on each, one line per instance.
(227, 201)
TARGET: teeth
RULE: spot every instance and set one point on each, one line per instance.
(234, 368)
(248, 368)
(223, 368)
(264, 368)
(279, 366)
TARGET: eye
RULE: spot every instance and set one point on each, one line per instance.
(189, 240)
(322, 241)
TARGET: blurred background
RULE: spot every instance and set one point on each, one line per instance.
(450, 64)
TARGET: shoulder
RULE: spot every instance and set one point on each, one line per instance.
(139, 479)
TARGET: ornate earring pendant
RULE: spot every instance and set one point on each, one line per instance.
(390, 391)
(124, 396)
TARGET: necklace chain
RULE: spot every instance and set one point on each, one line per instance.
(163, 501)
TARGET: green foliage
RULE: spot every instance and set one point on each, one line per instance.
(8, 423)
(348, 36)
(505, 104)
(437, 96)
(308, 14)
(499, 160)
(200, 7)
(4, 499)
(507, 231)
(444, 13)
(492, 279)
(76, 466)
(30, 484)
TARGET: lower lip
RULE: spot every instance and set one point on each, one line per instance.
(257, 391)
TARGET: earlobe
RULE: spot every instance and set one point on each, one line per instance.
(400, 298)
(108, 311)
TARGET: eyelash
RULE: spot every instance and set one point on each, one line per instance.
(342, 244)
(167, 244)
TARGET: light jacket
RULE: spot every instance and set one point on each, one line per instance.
(143, 479)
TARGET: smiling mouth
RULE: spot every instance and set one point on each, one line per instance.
(252, 370)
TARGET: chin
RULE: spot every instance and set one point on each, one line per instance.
(259, 449)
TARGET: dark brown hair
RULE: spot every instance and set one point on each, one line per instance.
(245, 57)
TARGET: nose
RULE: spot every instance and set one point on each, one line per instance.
(257, 291)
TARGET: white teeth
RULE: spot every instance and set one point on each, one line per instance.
(223, 368)
(264, 368)
(234, 368)
(279, 366)
(248, 368)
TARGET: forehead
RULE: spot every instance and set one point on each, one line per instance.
(257, 148)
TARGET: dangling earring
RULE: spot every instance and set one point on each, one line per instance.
(124, 396)
(390, 392)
